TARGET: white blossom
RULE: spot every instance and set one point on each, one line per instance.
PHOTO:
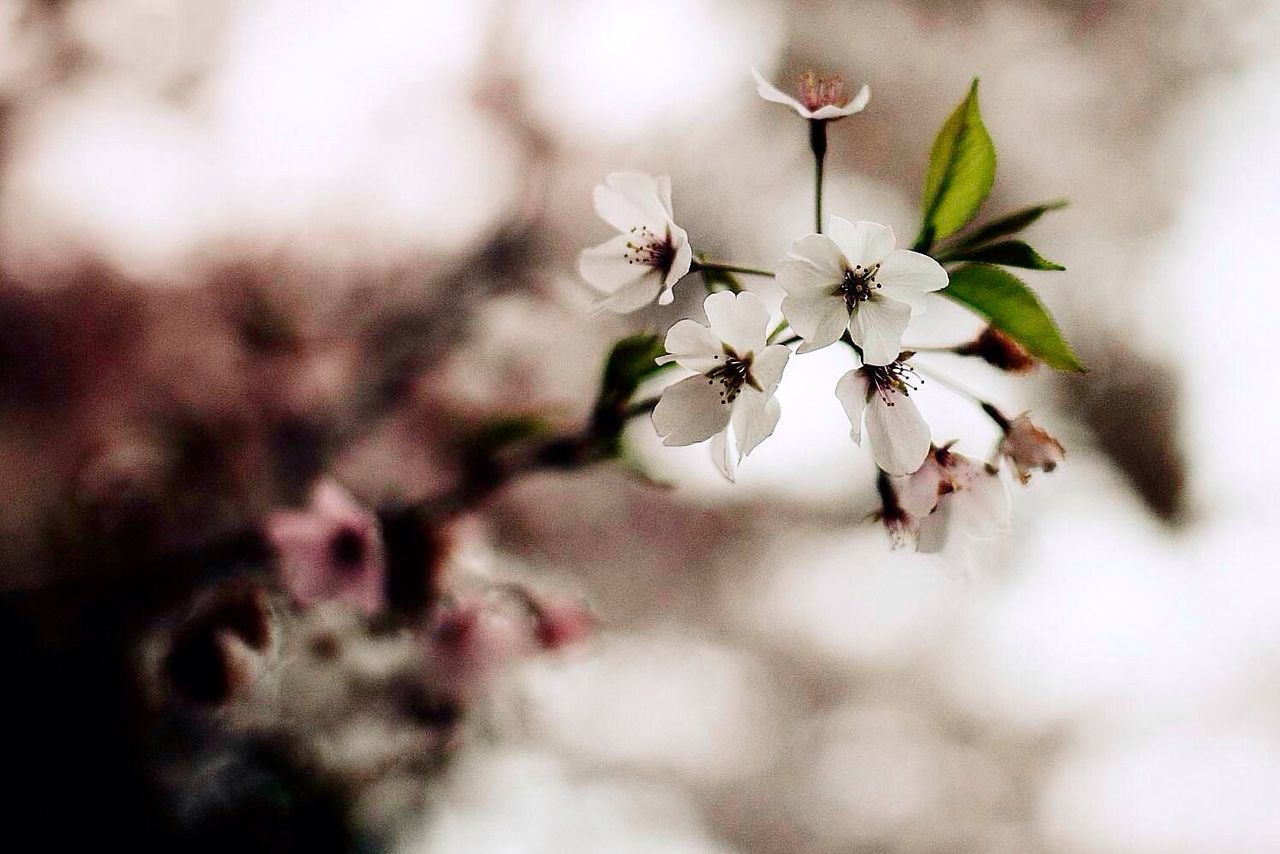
(821, 98)
(730, 397)
(853, 278)
(881, 395)
(648, 256)
(1028, 447)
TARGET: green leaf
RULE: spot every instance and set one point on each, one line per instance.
(1010, 253)
(962, 168)
(1010, 306)
(1009, 224)
(630, 362)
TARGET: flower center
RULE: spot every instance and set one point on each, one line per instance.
(818, 92)
(649, 249)
(732, 373)
(888, 380)
(858, 284)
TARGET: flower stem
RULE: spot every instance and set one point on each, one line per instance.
(951, 349)
(949, 383)
(644, 407)
(729, 268)
(777, 330)
(818, 143)
(991, 410)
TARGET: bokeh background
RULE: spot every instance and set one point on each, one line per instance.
(771, 675)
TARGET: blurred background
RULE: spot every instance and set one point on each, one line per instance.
(399, 191)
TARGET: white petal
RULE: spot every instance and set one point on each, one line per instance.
(910, 297)
(814, 265)
(769, 92)
(690, 411)
(899, 436)
(664, 195)
(606, 266)
(851, 391)
(877, 326)
(768, 365)
(907, 276)
(722, 455)
(693, 346)
(932, 534)
(982, 511)
(918, 493)
(865, 243)
(630, 200)
(859, 102)
(754, 419)
(631, 296)
(680, 263)
(857, 105)
(739, 320)
(819, 321)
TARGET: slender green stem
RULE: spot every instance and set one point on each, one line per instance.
(642, 408)
(818, 143)
(952, 349)
(992, 411)
(817, 196)
(949, 383)
(730, 268)
(777, 330)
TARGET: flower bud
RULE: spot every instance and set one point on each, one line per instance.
(997, 348)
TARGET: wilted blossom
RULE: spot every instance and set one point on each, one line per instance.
(330, 550)
(881, 395)
(973, 503)
(821, 98)
(649, 255)
(949, 495)
(732, 391)
(853, 278)
(1027, 448)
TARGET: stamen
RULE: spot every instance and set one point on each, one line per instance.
(818, 92)
(858, 285)
(732, 375)
(896, 378)
(647, 248)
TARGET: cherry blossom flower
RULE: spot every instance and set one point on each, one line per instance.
(330, 550)
(821, 98)
(855, 279)
(649, 255)
(730, 398)
(881, 395)
(1028, 447)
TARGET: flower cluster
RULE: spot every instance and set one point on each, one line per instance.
(848, 282)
